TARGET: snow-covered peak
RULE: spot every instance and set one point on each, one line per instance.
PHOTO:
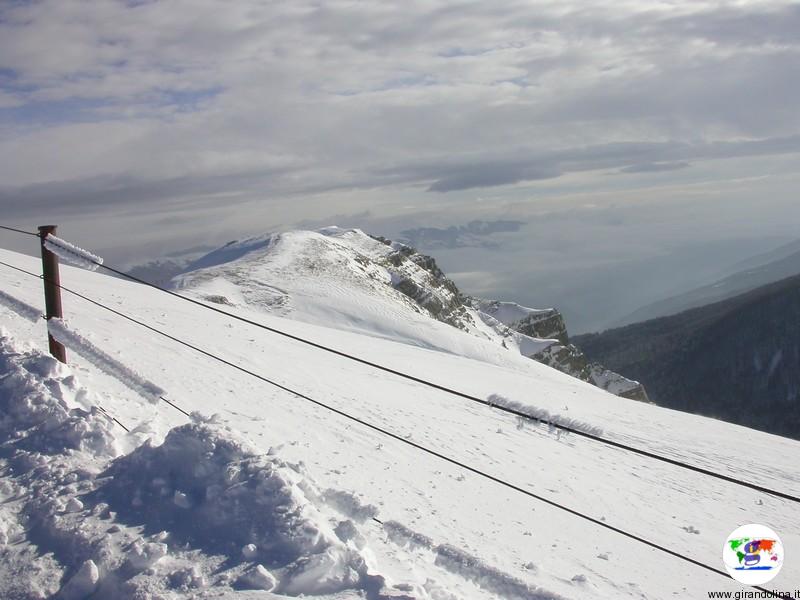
(336, 231)
(344, 279)
(347, 279)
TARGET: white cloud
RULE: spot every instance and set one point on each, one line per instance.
(153, 106)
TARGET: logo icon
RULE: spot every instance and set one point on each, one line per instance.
(753, 554)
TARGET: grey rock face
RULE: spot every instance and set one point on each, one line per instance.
(420, 278)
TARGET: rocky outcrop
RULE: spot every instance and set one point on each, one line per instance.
(420, 278)
(569, 359)
(547, 323)
(547, 326)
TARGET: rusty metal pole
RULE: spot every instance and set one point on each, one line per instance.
(52, 291)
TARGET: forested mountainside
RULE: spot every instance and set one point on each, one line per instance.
(737, 360)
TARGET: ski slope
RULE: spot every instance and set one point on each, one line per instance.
(305, 485)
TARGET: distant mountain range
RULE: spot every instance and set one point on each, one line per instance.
(161, 271)
(747, 275)
(736, 360)
(473, 234)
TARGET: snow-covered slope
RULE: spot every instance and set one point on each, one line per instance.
(275, 492)
(346, 279)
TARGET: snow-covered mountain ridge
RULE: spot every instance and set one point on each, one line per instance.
(348, 279)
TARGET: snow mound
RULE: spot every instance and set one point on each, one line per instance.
(44, 409)
(205, 474)
(203, 509)
(51, 440)
(83, 583)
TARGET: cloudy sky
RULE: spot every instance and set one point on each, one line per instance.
(621, 132)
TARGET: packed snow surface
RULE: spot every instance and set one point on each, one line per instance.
(261, 494)
(62, 333)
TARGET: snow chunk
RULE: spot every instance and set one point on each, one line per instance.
(350, 505)
(82, 584)
(109, 365)
(324, 573)
(144, 555)
(188, 578)
(73, 505)
(249, 551)
(402, 535)
(71, 253)
(346, 531)
(257, 578)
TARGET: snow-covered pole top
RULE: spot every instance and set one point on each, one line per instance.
(72, 253)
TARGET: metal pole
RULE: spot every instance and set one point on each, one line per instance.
(52, 291)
